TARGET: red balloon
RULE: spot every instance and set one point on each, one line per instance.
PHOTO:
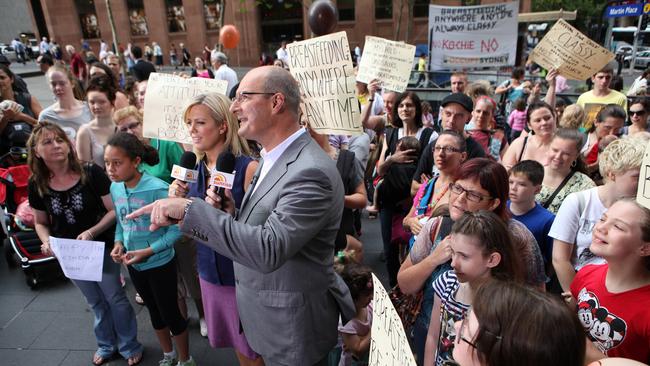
(323, 17)
(229, 36)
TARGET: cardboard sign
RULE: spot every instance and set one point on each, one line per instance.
(387, 61)
(323, 68)
(388, 343)
(165, 101)
(643, 190)
(79, 259)
(472, 36)
(573, 54)
(221, 179)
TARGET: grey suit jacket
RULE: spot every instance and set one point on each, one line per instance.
(282, 244)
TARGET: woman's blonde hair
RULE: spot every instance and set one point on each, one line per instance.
(78, 94)
(572, 116)
(621, 155)
(126, 112)
(219, 106)
(40, 172)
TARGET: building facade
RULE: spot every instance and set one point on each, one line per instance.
(262, 24)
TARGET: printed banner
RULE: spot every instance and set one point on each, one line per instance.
(79, 259)
(573, 54)
(643, 191)
(387, 61)
(472, 36)
(388, 343)
(323, 68)
(164, 102)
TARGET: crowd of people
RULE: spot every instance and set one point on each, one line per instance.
(509, 227)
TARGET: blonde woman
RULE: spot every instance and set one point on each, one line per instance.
(213, 129)
(572, 117)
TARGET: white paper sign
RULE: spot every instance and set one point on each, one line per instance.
(473, 36)
(387, 61)
(79, 259)
(388, 343)
(165, 100)
(643, 191)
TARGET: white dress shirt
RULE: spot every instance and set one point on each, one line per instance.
(226, 73)
(270, 157)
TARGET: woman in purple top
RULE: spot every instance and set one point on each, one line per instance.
(213, 130)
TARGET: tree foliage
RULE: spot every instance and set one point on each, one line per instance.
(590, 12)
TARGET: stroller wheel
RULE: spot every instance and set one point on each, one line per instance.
(31, 280)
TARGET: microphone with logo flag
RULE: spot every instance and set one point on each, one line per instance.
(222, 176)
(185, 171)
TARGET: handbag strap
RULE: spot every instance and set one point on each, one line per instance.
(558, 189)
(434, 231)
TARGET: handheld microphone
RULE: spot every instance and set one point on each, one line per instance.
(185, 171)
(222, 177)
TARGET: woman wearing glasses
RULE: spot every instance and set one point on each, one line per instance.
(481, 184)
(129, 119)
(638, 113)
(520, 326)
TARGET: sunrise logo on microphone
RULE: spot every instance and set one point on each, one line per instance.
(221, 179)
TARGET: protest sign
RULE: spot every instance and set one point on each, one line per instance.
(164, 102)
(323, 68)
(388, 343)
(643, 190)
(387, 61)
(573, 54)
(79, 259)
(472, 36)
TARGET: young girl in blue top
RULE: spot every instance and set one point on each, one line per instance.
(149, 255)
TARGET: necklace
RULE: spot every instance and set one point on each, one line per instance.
(434, 201)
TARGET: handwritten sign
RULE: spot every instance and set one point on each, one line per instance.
(323, 68)
(388, 343)
(572, 53)
(165, 100)
(387, 61)
(643, 190)
(79, 259)
(472, 36)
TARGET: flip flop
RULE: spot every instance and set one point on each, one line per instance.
(135, 359)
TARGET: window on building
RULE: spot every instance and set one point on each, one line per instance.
(212, 12)
(421, 9)
(87, 18)
(346, 9)
(175, 16)
(384, 9)
(137, 18)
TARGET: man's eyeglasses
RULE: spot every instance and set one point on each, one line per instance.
(446, 149)
(128, 126)
(244, 96)
(638, 113)
(471, 195)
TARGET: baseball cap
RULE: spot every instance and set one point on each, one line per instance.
(459, 98)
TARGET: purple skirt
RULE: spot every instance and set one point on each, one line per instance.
(222, 318)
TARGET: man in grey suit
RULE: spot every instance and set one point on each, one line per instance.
(282, 240)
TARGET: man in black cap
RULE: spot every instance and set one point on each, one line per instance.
(44, 62)
(456, 113)
(19, 83)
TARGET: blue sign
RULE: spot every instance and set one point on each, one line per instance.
(630, 10)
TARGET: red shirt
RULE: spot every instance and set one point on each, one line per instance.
(617, 324)
(78, 67)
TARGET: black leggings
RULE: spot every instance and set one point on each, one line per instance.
(157, 287)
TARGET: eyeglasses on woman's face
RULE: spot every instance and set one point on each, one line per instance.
(457, 189)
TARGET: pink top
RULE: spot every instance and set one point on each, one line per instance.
(517, 120)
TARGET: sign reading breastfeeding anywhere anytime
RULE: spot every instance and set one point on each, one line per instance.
(643, 190)
(472, 36)
(388, 343)
(323, 68)
(79, 259)
(164, 102)
(573, 54)
(389, 62)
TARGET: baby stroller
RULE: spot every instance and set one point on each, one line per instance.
(21, 244)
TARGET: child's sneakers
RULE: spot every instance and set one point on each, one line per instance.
(189, 362)
(167, 361)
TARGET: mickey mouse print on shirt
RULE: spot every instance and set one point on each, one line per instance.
(606, 330)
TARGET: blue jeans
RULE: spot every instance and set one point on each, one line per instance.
(115, 326)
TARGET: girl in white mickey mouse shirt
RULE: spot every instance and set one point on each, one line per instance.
(613, 298)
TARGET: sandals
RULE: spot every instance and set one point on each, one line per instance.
(135, 359)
